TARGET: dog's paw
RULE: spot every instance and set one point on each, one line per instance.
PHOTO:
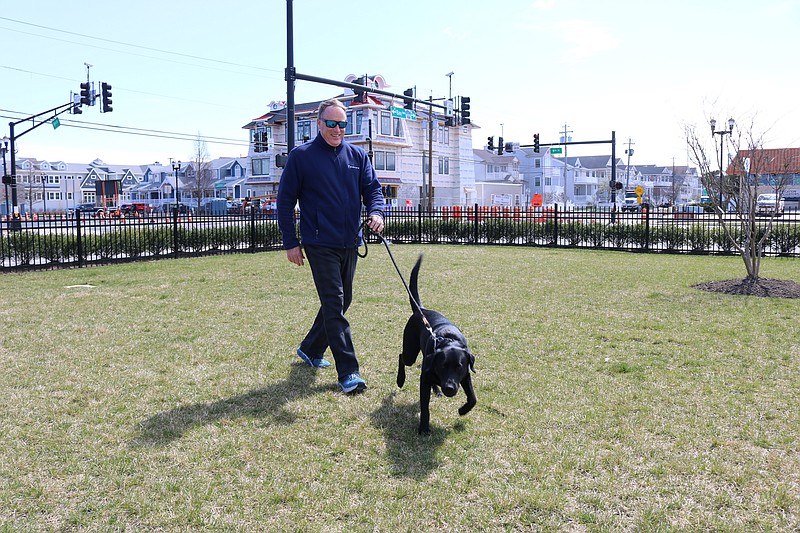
(466, 408)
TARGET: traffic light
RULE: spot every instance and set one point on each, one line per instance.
(490, 144)
(465, 110)
(86, 98)
(105, 92)
(509, 147)
(408, 98)
(536, 142)
(499, 146)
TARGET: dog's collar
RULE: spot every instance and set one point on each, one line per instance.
(435, 340)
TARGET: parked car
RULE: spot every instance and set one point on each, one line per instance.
(688, 212)
(136, 208)
(769, 204)
(85, 208)
(183, 209)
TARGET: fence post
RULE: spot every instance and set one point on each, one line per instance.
(175, 231)
(475, 224)
(252, 229)
(647, 229)
(78, 237)
(419, 223)
(555, 225)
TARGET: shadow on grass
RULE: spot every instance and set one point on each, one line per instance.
(411, 455)
(163, 428)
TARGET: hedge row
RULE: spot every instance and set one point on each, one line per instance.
(783, 239)
(29, 247)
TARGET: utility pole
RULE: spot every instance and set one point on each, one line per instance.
(565, 140)
(629, 151)
(430, 157)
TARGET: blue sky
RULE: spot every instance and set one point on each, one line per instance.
(643, 69)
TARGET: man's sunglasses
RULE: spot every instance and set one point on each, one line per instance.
(333, 123)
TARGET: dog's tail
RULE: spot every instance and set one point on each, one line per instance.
(416, 306)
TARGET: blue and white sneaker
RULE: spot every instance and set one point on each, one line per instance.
(352, 383)
(316, 362)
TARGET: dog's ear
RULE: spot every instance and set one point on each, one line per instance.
(471, 361)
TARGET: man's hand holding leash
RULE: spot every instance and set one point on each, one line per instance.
(295, 255)
(375, 223)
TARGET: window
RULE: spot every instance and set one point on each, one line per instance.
(261, 167)
(537, 163)
(303, 130)
(390, 191)
(444, 165)
(53, 195)
(398, 130)
(386, 123)
(444, 135)
(385, 161)
(354, 119)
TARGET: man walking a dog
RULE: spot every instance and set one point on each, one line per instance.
(330, 179)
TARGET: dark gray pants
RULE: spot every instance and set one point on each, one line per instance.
(333, 270)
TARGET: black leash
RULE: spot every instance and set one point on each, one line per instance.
(385, 242)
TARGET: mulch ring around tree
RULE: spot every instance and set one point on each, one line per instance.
(763, 287)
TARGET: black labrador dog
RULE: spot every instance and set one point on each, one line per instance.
(446, 359)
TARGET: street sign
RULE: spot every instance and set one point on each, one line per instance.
(556, 150)
(56, 123)
(401, 112)
(639, 190)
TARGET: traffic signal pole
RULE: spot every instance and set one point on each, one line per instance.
(613, 142)
(13, 136)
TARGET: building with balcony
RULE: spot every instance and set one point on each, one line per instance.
(416, 156)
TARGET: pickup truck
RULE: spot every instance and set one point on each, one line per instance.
(630, 202)
(769, 204)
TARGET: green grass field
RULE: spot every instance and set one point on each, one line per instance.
(612, 396)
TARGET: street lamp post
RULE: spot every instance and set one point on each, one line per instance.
(450, 76)
(721, 133)
(6, 177)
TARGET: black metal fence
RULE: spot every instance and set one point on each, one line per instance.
(58, 242)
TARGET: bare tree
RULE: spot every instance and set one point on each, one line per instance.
(752, 170)
(201, 184)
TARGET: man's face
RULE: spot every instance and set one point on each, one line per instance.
(333, 136)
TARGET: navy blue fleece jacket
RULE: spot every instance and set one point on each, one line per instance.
(330, 184)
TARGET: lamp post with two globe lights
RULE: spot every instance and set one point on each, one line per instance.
(721, 133)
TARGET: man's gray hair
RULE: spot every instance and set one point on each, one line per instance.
(333, 102)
